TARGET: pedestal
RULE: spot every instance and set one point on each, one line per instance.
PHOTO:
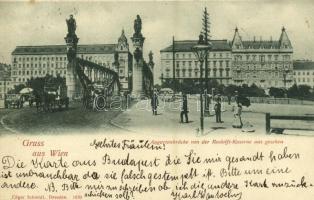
(138, 90)
(71, 81)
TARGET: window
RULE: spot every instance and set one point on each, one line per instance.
(227, 73)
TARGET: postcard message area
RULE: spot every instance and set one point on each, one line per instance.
(99, 167)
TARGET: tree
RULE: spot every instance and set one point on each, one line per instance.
(293, 92)
(304, 91)
(277, 92)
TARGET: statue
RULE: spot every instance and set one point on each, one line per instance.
(71, 26)
(137, 27)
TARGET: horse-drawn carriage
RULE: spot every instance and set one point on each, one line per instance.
(54, 95)
(13, 101)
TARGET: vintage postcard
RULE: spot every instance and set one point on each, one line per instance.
(156, 100)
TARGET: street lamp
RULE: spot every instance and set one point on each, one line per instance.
(285, 72)
(200, 50)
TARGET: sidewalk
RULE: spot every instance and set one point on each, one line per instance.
(139, 118)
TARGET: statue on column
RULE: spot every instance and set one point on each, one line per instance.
(71, 23)
(137, 27)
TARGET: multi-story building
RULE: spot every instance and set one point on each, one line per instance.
(304, 72)
(5, 79)
(37, 61)
(264, 63)
(187, 65)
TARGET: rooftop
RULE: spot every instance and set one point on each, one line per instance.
(261, 44)
(186, 46)
(303, 65)
(61, 49)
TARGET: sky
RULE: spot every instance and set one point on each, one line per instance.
(43, 23)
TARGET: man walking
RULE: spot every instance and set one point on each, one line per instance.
(184, 109)
(218, 110)
(154, 103)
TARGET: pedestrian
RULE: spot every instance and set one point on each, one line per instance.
(217, 109)
(237, 122)
(184, 109)
(154, 102)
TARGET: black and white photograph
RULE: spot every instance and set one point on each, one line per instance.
(158, 100)
(182, 67)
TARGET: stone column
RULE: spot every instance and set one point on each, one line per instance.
(138, 62)
(72, 82)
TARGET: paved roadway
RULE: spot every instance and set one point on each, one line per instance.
(75, 119)
(139, 118)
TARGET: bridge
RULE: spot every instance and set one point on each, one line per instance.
(86, 79)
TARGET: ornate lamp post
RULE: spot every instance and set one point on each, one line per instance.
(200, 50)
(285, 72)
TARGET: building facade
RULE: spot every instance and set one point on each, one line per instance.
(187, 65)
(37, 61)
(304, 72)
(264, 63)
(5, 80)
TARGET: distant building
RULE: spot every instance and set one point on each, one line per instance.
(5, 79)
(187, 65)
(304, 72)
(264, 63)
(37, 61)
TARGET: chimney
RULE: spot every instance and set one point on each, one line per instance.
(254, 38)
